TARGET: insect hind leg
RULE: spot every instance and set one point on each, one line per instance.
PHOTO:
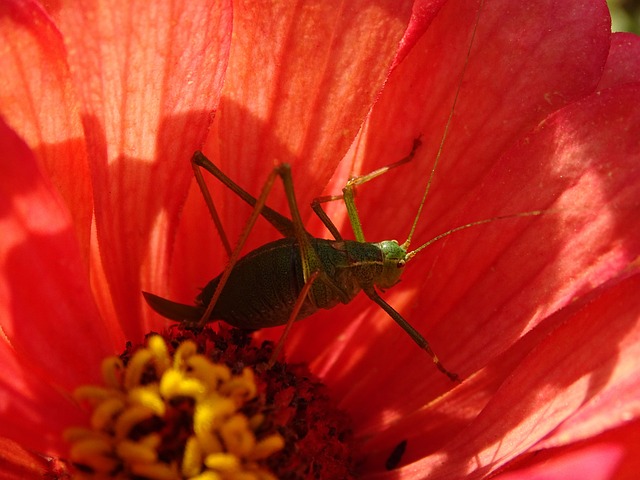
(293, 227)
(258, 206)
(279, 222)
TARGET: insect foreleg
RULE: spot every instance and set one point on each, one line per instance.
(348, 195)
(349, 190)
(413, 333)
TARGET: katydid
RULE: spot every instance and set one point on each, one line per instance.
(266, 288)
(291, 278)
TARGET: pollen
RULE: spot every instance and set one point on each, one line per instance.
(172, 413)
(208, 405)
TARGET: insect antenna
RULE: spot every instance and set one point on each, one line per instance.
(407, 242)
(532, 213)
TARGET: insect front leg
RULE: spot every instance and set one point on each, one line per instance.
(348, 195)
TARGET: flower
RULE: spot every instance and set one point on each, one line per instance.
(538, 315)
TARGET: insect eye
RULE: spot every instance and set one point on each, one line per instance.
(401, 263)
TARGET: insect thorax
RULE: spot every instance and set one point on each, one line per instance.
(357, 265)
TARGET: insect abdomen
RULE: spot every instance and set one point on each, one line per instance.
(261, 289)
(265, 284)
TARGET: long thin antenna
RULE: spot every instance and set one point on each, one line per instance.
(446, 130)
(533, 213)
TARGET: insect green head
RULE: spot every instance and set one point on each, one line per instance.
(394, 260)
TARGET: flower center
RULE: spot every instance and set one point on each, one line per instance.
(190, 407)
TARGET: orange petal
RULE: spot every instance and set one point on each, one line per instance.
(301, 80)
(149, 76)
(47, 312)
(18, 463)
(525, 62)
(421, 89)
(613, 454)
(37, 101)
(35, 410)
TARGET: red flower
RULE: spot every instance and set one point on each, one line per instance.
(103, 107)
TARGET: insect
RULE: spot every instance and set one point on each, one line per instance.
(291, 278)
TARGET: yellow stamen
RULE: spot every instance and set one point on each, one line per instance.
(160, 354)
(175, 383)
(211, 412)
(267, 447)
(149, 397)
(156, 403)
(112, 369)
(208, 475)
(93, 452)
(92, 394)
(182, 353)
(208, 373)
(192, 458)
(241, 388)
(129, 419)
(135, 452)
(222, 462)
(256, 421)
(237, 436)
(105, 412)
(136, 368)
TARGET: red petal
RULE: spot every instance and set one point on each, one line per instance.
(301, 80)
(589, 358)
(46, 311)
(37, 101)
(623, 64)
(35, 410)
(498, 283)
(588, 463)
(470, 151)
(586, 361)
(18, 463)
(149, 75)
(422, 14)
(526, 61)
(614, 454)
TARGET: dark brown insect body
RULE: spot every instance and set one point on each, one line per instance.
(264, 285)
